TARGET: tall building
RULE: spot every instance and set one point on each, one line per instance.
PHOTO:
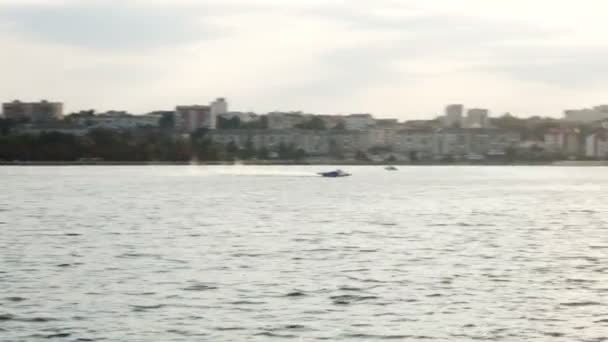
(190, 118)
(219, 107)
(453, 115)
(596, 144)
(476, 118)
(42, 111)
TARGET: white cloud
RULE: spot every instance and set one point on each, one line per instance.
(389, 57)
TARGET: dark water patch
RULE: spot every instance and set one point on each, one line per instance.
(58, 335)
(409, 300)
(580, 281)
(469, 326)
(275, 335)
(540, 319)
(72, 234)
(246, 302)
(138, 255)
(317, 250)
(349, 299)
(553, 334)
(350, 289)
(356, 270)
(15, 299)
(296, 294)
(599, 247)
(36, 319)
(590, 303)
(6, 317)
(200, 287)
(434, 295)
(140, 293)
(140, 308)
(229, 328)
(247, 255)
(64, 265)
(362, 336)
(602, 321)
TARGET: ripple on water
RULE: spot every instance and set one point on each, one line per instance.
(140, 308)
(575, 304)
(200, 287)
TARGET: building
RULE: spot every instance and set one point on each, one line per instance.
(120, 120)
(219, 107)
(587, 115)
(379, 137)
(416, 143)
(332, 121)
(563, 140)
(467, 142)
(314, 143)
(453, 115)
(243, 117)
(36, 112)
(190, 118)
(286, 120)
(355, 122)
(477, 118)
(596, 144)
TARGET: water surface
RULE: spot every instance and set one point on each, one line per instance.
(251, 253)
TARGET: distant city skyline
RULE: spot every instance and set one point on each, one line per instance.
(393, 59)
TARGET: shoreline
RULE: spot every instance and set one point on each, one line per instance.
(294, 163)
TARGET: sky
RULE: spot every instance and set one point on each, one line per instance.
(405, 59)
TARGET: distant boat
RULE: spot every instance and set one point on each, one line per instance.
(391, 168)
(334, 174)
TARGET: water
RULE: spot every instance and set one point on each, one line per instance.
(194, 253)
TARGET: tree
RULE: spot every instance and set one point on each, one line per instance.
(167, 121)
(362, 156)
(263, 153)
(6, 125)
(340, 126)
(316, 123)
(232, 123)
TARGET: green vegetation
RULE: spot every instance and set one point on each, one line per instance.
(315, 123)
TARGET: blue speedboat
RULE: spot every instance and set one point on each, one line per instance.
(334, 174)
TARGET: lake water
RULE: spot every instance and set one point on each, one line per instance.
(252, 253)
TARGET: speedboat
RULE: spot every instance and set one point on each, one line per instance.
(334, 174)
(390, 168)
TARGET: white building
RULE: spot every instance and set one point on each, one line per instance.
(417, 143)
(477, 118)
(453, 115)
(563, 140)
(356, 122)
(190, 118)
(120, 120)
(587, 115)
(596, 145)
(38, 112)
(219, 107)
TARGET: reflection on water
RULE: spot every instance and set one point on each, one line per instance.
(196, 253)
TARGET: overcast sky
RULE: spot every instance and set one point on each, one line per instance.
(393, 58)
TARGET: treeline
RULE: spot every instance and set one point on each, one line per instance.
(129, 146)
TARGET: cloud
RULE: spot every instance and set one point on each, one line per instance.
(109, 24)
(573, 67)
(319, 55)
